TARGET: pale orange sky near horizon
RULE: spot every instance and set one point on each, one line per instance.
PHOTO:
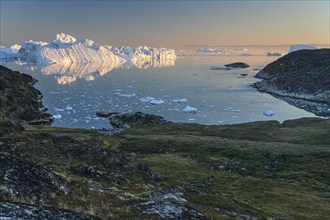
(169, 24)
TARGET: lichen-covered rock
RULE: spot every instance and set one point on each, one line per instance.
(19, 100)
(28, 181)
(170, 210)
(13, 211)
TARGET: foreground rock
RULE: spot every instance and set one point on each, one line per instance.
(23, 211)
(27, 181)
(19, 100)
(303, 74)
(237, 65)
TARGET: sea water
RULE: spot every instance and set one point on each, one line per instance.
(74, 93)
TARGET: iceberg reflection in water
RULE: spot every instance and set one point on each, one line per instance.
(66, 73)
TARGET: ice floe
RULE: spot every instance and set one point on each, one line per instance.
(147, 99)
(57, 116)
(269, 113)
(220, 68)
(232, 110)
(246, 54)
(179, 100)
(189, 109)
(157, 102)
(274, 54)
(127, 95)
(212, 50)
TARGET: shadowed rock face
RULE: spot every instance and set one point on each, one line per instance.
(23, 211)
(19, 100)
(303, 74)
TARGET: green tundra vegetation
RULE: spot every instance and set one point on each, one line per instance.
(258, 170)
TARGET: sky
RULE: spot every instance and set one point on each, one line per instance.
(167, 23)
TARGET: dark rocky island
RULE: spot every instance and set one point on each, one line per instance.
(159, 170)
(302, 75)
(237, 65)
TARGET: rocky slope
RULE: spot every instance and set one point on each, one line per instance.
(19, 100)
(303, 74)
(160, 170)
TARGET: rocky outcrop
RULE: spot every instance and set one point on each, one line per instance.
(19, 100)
(303, 74)
(26, 180)
(237, 65)
(118, 120)
(22, 211)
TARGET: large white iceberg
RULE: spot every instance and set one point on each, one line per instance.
(67, 49)
(296, 47)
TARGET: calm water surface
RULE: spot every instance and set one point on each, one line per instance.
(74, 94)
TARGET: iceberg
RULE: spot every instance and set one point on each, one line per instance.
(189, 109)
(212, 50)
(220, 68)
(9, 53)
(179, 100)
(157, 102)
(269, 113)
(296, 47)
(246, 54)
(145, 57)
(147, 99)
(67, 49)
(275, 54)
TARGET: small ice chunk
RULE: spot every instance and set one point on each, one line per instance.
(219, 68)
(246, 54)
(147, 99)
(269, 113)
(59, 109)
(157, 102)
(189, 109)
(276, 54)
(57, 116)
(68, 108)
(173, 109)
(232, 110)
(191, 119)
(127, 95)
(179, 100)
